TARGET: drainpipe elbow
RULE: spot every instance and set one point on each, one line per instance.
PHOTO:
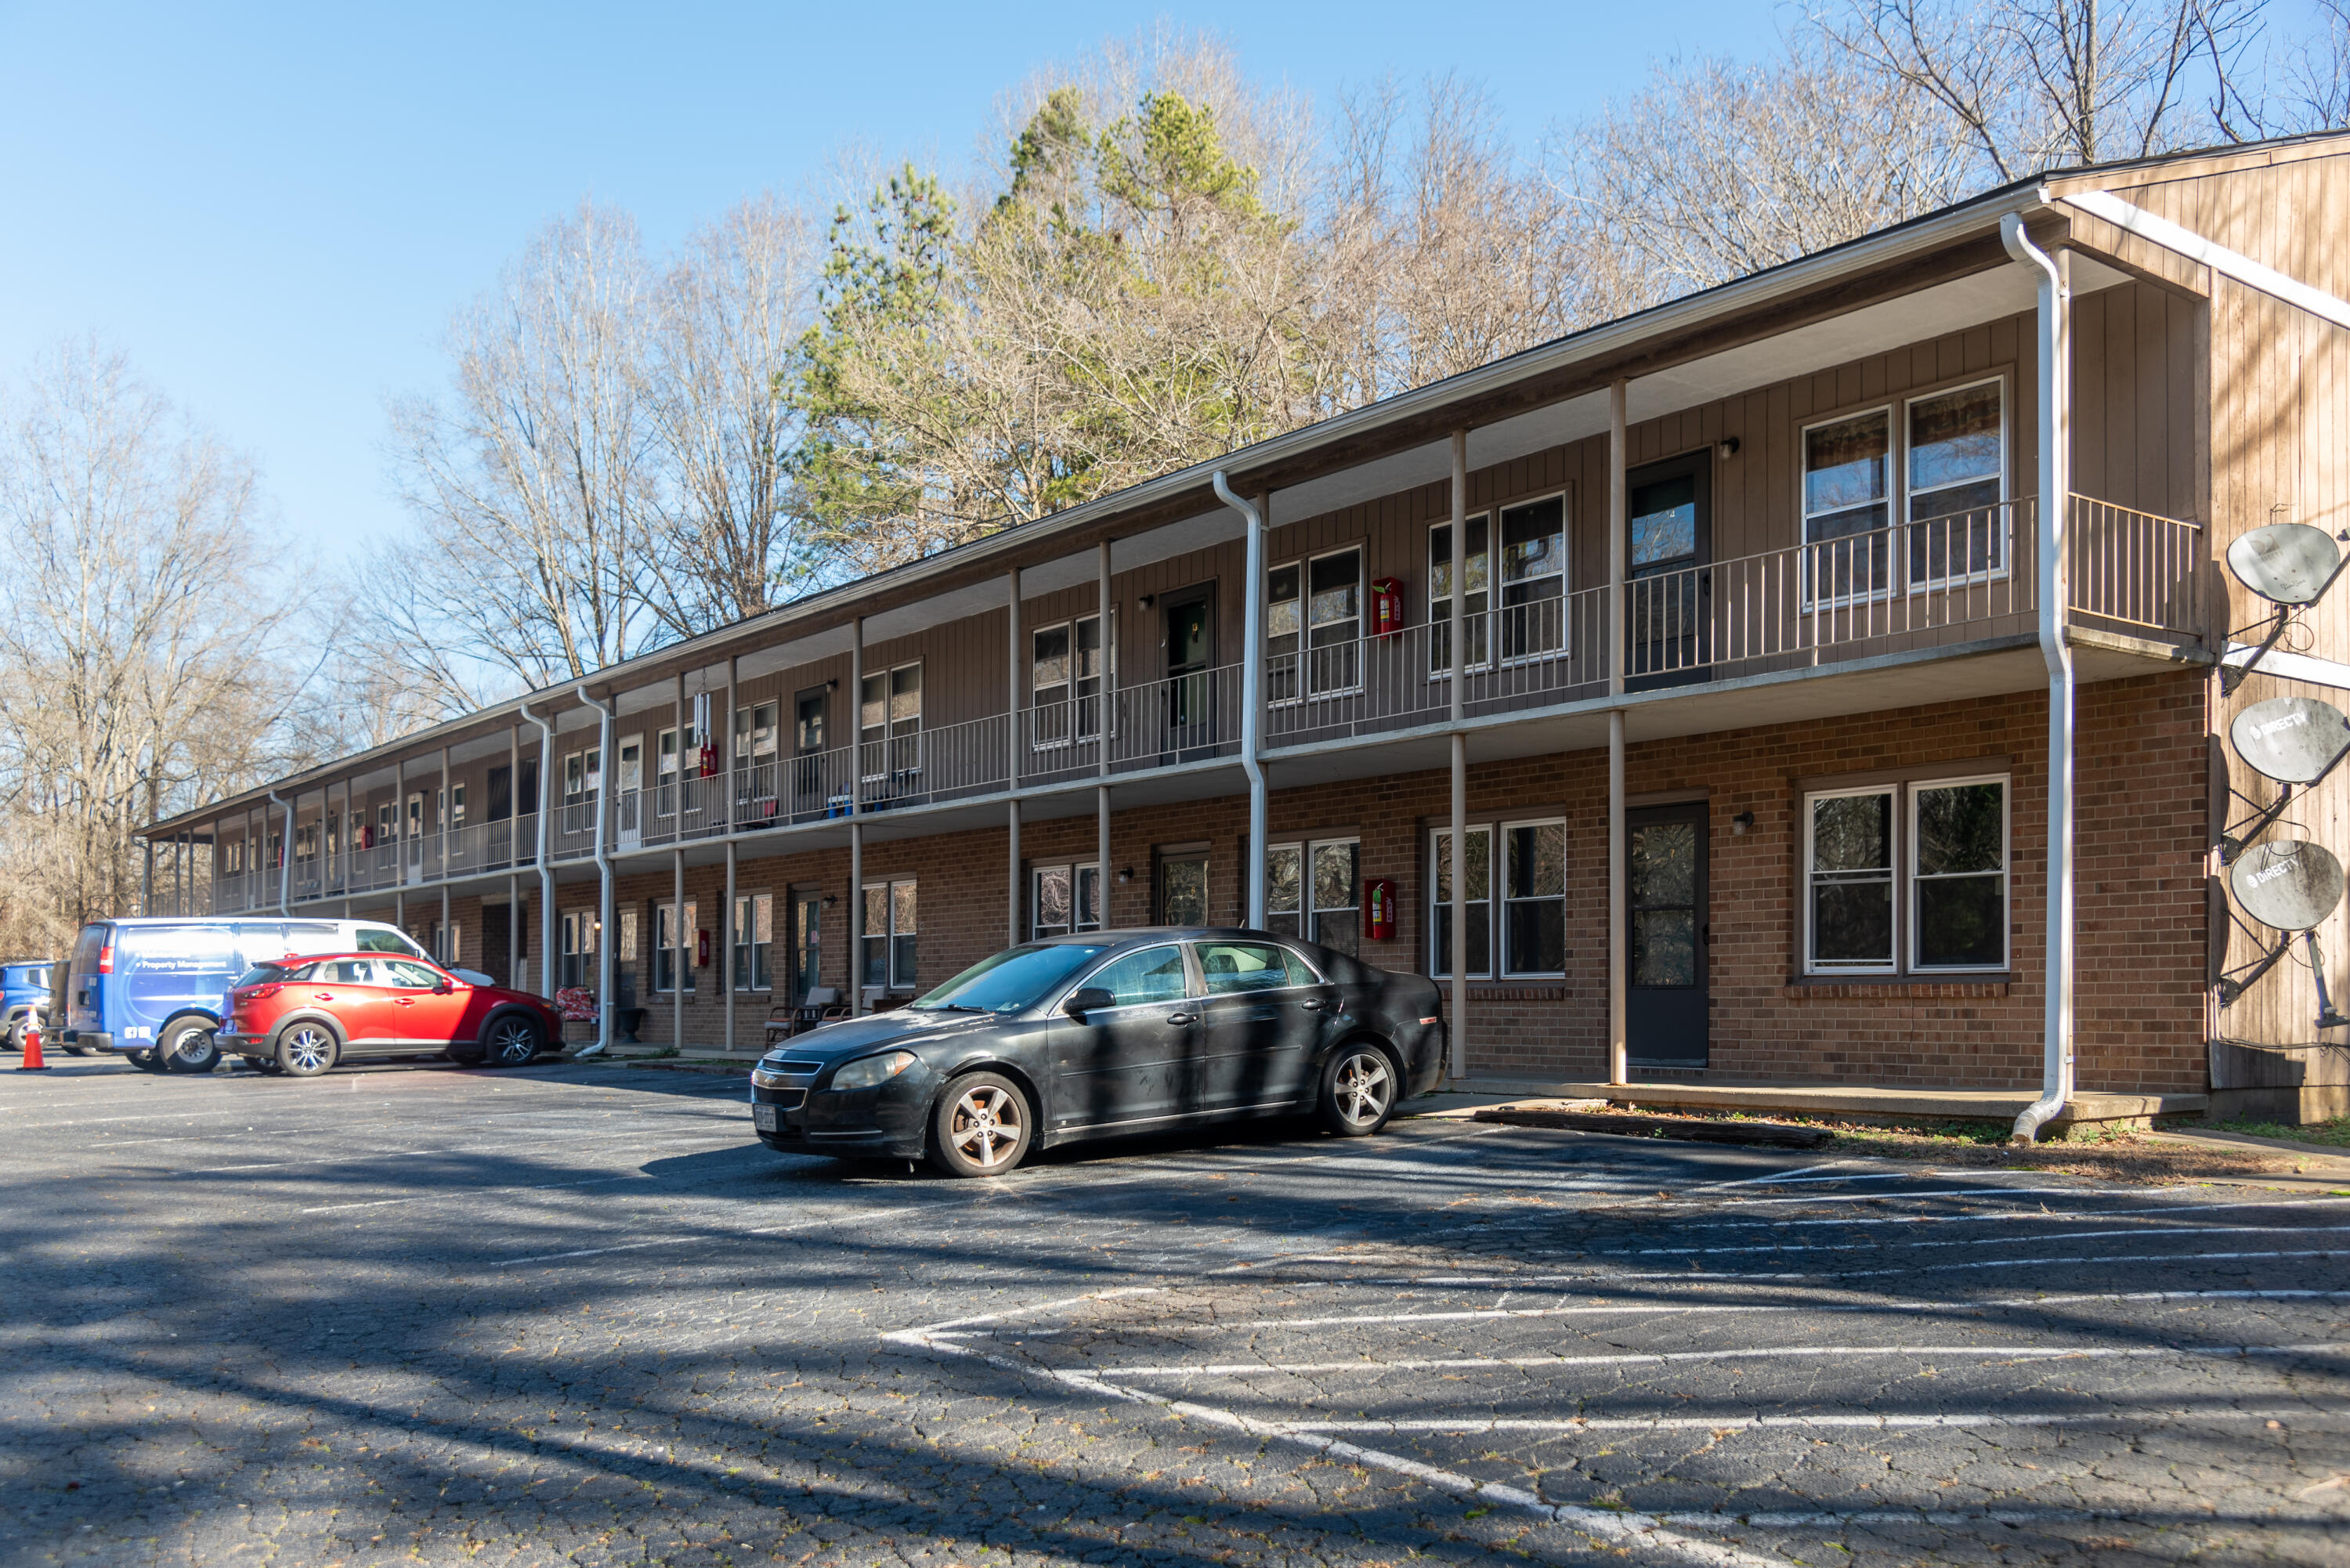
(2034, 1117)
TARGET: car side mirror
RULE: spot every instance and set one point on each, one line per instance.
(1088, 999)
(442, 987)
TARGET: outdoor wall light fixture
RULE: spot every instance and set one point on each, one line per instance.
(831, 900)
(832, 685)
(1742, 823)
(1146, 600)
(1727, 447)
(1126, 873)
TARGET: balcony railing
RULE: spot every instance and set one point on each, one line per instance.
(1939, 582)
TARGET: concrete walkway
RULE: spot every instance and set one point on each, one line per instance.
(1859, 1101)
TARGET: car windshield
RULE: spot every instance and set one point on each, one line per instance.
(1013, 980)
(271, 974)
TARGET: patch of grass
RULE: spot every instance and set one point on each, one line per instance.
(2336, 1132)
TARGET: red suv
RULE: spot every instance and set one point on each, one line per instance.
(300, 1016)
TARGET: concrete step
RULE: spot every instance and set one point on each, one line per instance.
(1868, 1102)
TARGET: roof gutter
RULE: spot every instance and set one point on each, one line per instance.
(1252, 705)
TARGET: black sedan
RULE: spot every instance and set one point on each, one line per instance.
(1103, 1034)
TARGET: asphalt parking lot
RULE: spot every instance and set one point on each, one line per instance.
(574, 1314)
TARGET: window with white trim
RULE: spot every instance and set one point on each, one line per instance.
(1476, 895)
(1314, 890)
(673, 946)
(1534, 578)
(1473, 597)
(886, 961)
(1533, 898)
(1955, 482)
(1064, 899)
(1065, 681)
(1314, 625)
(889, 723)
(580, 928)
(667, 771)
(1847, 504)
(753, 935)
(1908, 877)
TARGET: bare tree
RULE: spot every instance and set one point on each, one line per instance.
(531, 487)
(1718, 170)
(144, 643)
(2314, 86)
(728, 322)
(2036, 83)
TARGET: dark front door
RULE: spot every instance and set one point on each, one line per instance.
(809, 795)
(1190, 655)
(807, 942)
(1669, 589)
(1130, 1064)
(1667, 1015)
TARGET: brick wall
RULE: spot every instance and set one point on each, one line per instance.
(2141, 821)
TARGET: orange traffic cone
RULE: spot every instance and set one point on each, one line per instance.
(32, 1062)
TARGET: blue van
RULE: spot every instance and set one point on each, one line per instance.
(24, 998)
(152, 989)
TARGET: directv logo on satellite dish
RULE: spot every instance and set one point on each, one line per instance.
(2288, 886)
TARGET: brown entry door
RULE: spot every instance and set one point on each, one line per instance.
(1667, 1006)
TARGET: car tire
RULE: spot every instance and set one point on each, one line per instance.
(509, 1041)
(982, 1125)
(264, 1065)
(146, 1060)
(189, 1047)
(1359, 1089)
(306, 1049)
(15, 1041)
(76, 1050)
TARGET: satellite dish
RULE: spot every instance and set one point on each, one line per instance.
(2285, 562)
(2292, 740)
(2288, 885)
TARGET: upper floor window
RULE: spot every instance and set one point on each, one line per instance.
(1534, 578)
(583, 777)
(890, 722)
(1957, 482)
(1314, 625)
(1847, 491)
(1066, 675)
(754, 732)
(1947, 470)
(1440, 595)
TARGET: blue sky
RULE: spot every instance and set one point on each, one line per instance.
(273, 210)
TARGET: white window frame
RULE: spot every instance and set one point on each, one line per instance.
(580, 930)
(1496, 589)
(1894, 476)
(1439, 962)
(1076, 871)
(1307, 911)
(668, 923)
(753, 913)
(890, 733)
(1304, 689)
(1072, 701)
(891, 979)
(1498, 885)
(2004, 476)
(1911, 876)
(1902, 857)
(1476, 622)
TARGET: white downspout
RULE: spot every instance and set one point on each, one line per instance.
(1252, 677)
(547, 937)
(285, 856)
(605, 916)
(2055, 505)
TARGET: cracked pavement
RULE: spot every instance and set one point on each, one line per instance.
(576, 1313)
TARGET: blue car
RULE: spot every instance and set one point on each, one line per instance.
(151, 990)
(24, 998)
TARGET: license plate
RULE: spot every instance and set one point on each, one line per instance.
(766, 1118)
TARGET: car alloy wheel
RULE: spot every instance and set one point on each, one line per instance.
(511, 1043)
(306, 1050)
(190, 1048)
(1360, 1092)
(982, 1126)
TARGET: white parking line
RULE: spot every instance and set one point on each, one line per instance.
(1760, 1423)
(1989, 1216)
(1776, 1352)
(1777, 1247)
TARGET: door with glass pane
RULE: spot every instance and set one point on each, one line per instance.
(807, 942)
(1666, 1015)
(1191, 644)
(1669, 588)
(630, 801)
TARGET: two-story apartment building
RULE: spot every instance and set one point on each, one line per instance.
(1814, 679)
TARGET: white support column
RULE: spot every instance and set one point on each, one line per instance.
(1012, 727)
(448, 943)
(856, 816)
(682, 959)
(444, 813)
(1459, 1030)
(1619, 639)
(721, 746)
(147, 879)
(677, 791)
(727, 930)
(1103, 607)
(514, 929)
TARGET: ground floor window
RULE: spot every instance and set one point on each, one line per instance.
(1064, 899)
(580, 930)
(1528, 861)
(448, 943)
(1906, 877)
(1182, 887)
(1312, 890)
(1476, 896)
(755, 941)
(888, 940)
(674, 937)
